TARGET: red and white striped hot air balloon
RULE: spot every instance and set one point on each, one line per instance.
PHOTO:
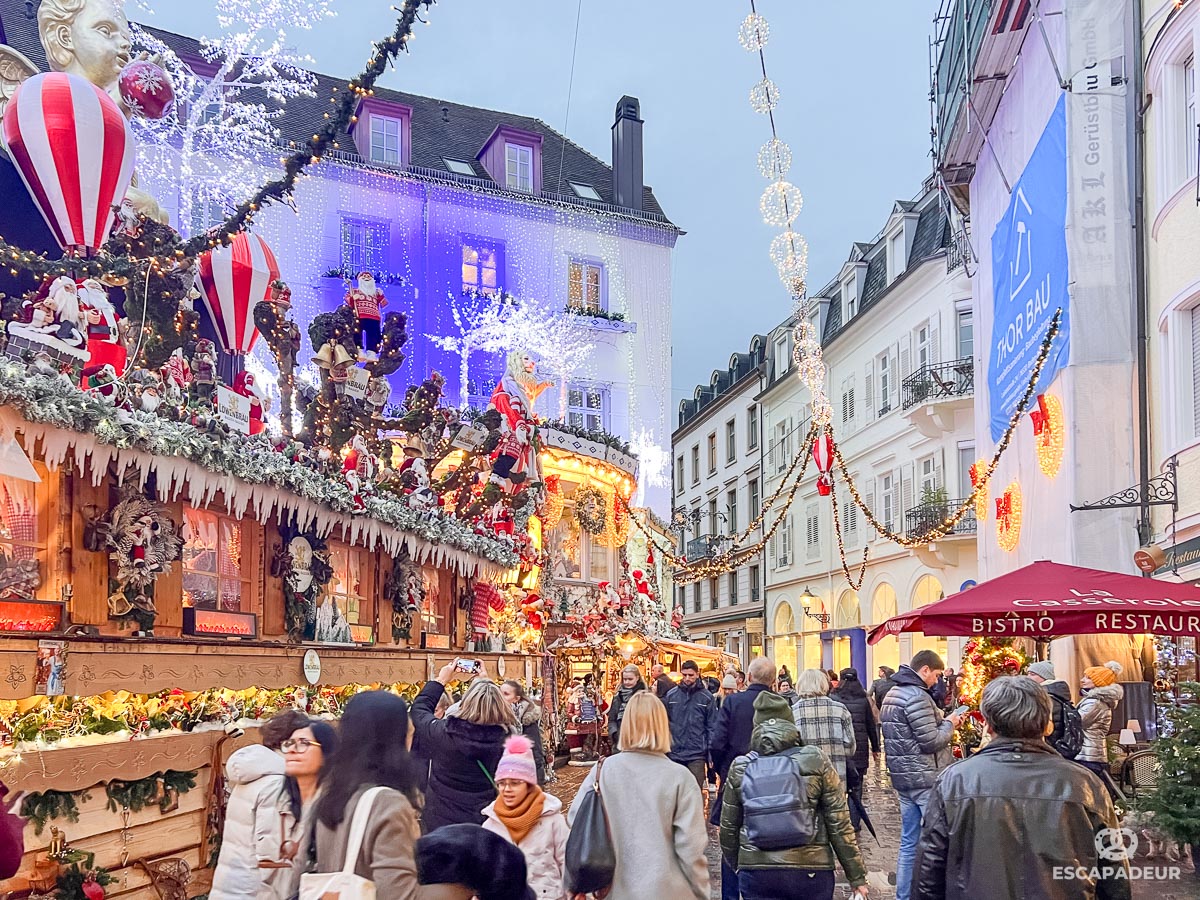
(822, 452)
(233, 279)
(74, 150)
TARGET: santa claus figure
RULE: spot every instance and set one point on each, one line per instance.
(245, 385)
(101, 380)
(55, 312)
(103, 343)
(141, 533)
(358, 468)
(177, 376)
(514, 461)
(367, 300)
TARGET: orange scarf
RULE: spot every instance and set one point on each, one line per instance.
(520, 819)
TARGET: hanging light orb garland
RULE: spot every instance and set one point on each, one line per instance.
(774, 159)
(764, 96)
(789, 253)
(780, 203)
(754, 33)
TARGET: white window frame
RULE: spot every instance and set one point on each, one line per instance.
(679, 474)
(884, 366)
(966, 459)
(732, 587)
(518, 168)
(752, 428)
(849, 300)
(754, 498)
(755, 584)
(921, 344)
(711, 447)
(583, 409)
(1189, 116)
(928, 474)
(897, 258)
(363, 245)
(783, 355)
(387, 140)
(784, 558)
(887, 500)
(696, 464)
(1181, 368)
(731, 441)
(964, 321)
(731, 516)
(578, 272)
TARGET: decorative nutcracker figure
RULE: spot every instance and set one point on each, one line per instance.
(514, 461)
(177, 376)
(204, 372)
(366, 300)
(358, 469)
(103, 343)
(245, 385)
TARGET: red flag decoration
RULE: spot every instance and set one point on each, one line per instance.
(74, 150)
(233, 280)
(822, 452)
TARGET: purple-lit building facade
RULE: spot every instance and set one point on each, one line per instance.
(435, 198)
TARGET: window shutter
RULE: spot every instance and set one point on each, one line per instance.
(869, 391)
(869, 500)
(772, 550)
(894, 386)
(935, 337)
(1196, 370)
(906, 495)
(905, 356)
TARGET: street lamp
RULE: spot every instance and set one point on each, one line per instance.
(806, 600)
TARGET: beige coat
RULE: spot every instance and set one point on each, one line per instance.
(387, 856)
(544, 848)
(656, 814)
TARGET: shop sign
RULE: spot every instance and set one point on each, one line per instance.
(233, 409)
(1181, 556)
(312, 666)
(434, 641)
(37, 616)
(358, 383)
(219, 623)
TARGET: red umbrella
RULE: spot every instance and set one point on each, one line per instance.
(1048, 599)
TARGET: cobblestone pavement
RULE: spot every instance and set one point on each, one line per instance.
(880, 855)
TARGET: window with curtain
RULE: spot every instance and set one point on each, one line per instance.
(482, 266)
(212, 562)
(22, 537)
(349, 583)
(585, 286)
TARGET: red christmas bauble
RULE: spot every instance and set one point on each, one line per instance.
(1012, 664)
(976, 658)
(93, 890)
(146, 89)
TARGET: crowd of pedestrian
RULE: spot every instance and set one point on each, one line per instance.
(445, 799)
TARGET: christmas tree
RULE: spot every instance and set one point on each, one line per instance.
(984, 658)
(1175, 801)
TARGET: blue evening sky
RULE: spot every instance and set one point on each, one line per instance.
(853, 80)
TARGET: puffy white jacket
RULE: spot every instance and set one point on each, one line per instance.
(253, 828)
(544, 848)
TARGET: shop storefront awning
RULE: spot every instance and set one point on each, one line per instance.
(1048, 599)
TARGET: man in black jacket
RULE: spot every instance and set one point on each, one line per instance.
(661, 680)
(692, 712)
(916, 742)
(731, 739)
(1018, 820)
(881, 685)
(1060, 696)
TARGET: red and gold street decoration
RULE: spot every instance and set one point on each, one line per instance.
(1008, 518)
(1049, 426)
(978, 471)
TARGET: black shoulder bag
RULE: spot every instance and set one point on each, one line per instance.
(591, 859)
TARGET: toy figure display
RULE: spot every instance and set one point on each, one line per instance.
(367, 300)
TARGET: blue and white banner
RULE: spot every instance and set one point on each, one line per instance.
(1029, 276)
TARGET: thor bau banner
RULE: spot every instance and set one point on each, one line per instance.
(1029, 276)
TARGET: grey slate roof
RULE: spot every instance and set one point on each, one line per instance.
(461, 137)
(741, 365)
(931, 238)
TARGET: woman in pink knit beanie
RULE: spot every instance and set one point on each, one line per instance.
(529, 817)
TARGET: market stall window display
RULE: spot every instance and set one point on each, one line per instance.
(215, 568)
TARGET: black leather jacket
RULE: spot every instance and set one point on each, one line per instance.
(1017, 820)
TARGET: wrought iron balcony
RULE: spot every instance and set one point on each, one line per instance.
(931, 513)
(940, 381)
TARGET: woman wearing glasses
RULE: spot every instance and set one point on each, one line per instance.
(252, 836)
(304, 754)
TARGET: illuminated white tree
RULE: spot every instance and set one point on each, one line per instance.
(480, 322)
(223, 127)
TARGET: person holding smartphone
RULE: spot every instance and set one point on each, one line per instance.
(465, 747)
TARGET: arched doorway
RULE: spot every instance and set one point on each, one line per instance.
(785, 637)
(883, 607)
(846, 614)
(928, 590)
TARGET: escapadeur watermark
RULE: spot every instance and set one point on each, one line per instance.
(1116, 846)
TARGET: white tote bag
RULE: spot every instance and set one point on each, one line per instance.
(345, 885)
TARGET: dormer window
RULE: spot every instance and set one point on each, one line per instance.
(518, 168)
(385, 140)
(849, 300)
(897, 256)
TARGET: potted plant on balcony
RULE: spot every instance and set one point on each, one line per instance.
(921, 389)
(935, 506)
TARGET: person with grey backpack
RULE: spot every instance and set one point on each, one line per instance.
(785, 816)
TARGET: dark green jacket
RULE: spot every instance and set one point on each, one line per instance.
(826, 793)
